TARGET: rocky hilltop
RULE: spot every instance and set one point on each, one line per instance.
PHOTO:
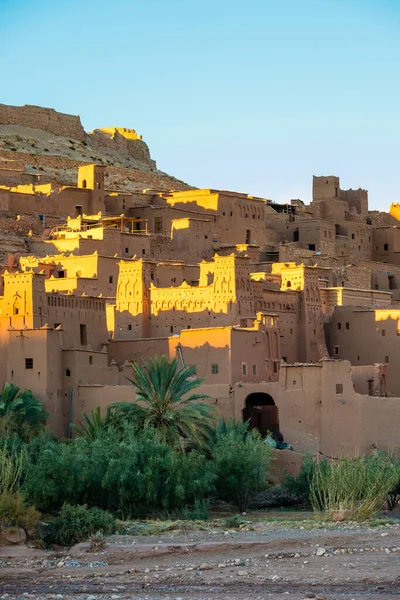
(42, 140)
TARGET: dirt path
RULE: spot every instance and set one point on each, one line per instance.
(272, 562)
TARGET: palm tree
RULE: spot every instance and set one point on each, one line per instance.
(20, 412)
(166, 403)
(91, 427)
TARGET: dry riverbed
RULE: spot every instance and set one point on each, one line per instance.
(266, 559)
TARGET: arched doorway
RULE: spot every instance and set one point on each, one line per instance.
(260, 409)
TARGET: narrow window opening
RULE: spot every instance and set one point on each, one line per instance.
(83, 334)
(29, 363)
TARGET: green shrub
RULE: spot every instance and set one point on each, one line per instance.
(199, 512)
(300, 487)
(58, 473)
(241, 466)
(358, 485)
(77, 523)
(12, 465)
(275, 497)
(148, 475)
(224, 427)
(234, 522)
(14, 512)
(133, 478)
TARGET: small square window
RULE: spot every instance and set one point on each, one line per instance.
(29, 363)
(336, 350)
(90, 359)
(352, 236)
(171, 329)
(68, 372)
(387, 359)
(129, 327)
(339, 326)
(214, 369)
(244, 369)
(386, 247)
(110, 279)
(254, 369)
(383, 332)
(339, 388)
(126, 250)
(347, 325)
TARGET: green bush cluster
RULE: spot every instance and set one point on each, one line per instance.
(140, 475)
(77, 523)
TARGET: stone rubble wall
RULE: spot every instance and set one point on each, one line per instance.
(137, 149)
(47, 119)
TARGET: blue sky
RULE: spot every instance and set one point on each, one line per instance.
(254, 96)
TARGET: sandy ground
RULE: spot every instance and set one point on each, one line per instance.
(271, 561)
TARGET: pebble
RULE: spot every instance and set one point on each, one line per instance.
(320, 552)
(70, 564)
(242, 573)
(98, 563)
(205, 567)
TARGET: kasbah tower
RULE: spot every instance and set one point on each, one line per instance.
(290, 312)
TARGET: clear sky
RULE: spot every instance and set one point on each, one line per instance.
(254, 96)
